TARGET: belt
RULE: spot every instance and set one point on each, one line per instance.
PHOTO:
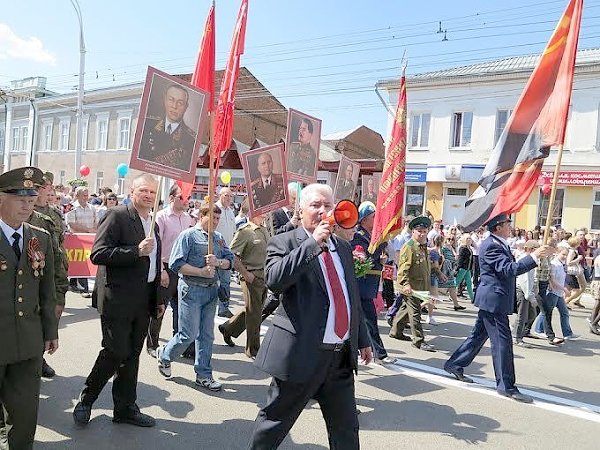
(373, 272)
(338, 347)
(199, 283)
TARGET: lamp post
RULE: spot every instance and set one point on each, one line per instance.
(79, 136)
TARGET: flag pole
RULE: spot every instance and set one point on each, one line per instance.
(553, 194)
(211, 183)
(156, 203)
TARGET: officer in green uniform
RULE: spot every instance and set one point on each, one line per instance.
(249, 245)
(48, 217)
(28, 323)
(414, 273)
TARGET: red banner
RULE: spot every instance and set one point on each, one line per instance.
(78, 247)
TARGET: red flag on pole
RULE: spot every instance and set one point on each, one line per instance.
(390, 199)
(225, 108)
(204, 77)
(537, 123)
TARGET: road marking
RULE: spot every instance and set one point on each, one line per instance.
(485, 386)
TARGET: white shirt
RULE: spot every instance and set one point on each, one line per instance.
(267, 181)
(330, 337)
(174, 126)
(152, 270)
(526, 282)
(226, 223)
(9, 231)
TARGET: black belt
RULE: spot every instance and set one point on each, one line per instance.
(199, 283)
(335, 347)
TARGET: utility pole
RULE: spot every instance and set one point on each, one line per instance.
(79, 136)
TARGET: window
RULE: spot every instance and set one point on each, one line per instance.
(461, 129)
(62, 177)
(596, 211)
(101, 131)
(47, 137)
(419, 130)
(124, 126)
(415, 198)
(15, 139)
(24, 136)
(99, 180)
(64, 136)
(558, 208)
(502, 116)
(121, 183)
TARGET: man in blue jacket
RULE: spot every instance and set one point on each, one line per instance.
(495, 299)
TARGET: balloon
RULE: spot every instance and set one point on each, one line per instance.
(84, 170)
(122, 170)
(225, 177)
(546, 188)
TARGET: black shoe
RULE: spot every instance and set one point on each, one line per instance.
(226, 336)
(82, 414)
(227, 314)
(424, 347)
(518, 397)
(401, 337)
(390, 321)
(47, 371)
(458, 375)
(133, 416)
(151, 351)
(459, 308)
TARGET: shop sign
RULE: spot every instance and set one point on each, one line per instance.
(571, 178)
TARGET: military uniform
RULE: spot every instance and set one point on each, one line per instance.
(414, 270)
(302, 160)
(249, 244)
(173, 150)
(265, 195)
(27, 318)
(345, 190)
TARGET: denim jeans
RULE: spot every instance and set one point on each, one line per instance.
(370, 315)
(225, 282)
(564, 315)
(546, 307)
(196, 322)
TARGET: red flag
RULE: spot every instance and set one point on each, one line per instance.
(537, 123)
(390, 199)
(204, 77)
(225, 108)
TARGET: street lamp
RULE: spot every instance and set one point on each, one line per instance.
(79, 143)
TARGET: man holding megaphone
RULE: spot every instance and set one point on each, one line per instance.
(317, 331)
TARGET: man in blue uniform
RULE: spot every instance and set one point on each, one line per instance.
(495, 299)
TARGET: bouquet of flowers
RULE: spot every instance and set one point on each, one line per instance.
(362, 263)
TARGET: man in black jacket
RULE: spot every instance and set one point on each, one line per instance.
(312, 345)
(126, 294)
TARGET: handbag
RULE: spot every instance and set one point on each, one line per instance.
(574, 269)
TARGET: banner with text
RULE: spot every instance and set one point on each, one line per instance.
(78, 247)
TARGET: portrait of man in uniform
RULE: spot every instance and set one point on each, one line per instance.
(266, 180)
(370, 188)
(169, 126)
(302, 144)
(347, 178)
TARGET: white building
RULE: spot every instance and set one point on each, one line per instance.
(455, 117)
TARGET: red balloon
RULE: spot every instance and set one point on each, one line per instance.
(84, 171)
(546, 188)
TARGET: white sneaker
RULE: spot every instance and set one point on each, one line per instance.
(431, 321)
(573, 337)
(209, 383)
(386, 360)
(522, 344)
(163, 367)
(540, 335)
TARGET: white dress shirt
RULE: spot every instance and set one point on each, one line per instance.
(152, 270)
(174, 126)
(9, 231)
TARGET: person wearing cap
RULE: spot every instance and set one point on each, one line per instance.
(28, 322)
(495, 299)
(368, 285)
(44, 216)
(414, 274)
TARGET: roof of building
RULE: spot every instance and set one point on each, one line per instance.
(504, 66)
(358, 143)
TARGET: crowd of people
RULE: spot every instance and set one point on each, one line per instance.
(295, 264)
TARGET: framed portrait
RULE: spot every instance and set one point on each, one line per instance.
(370, 188)
(170, 127)
(266, 180)
(347, 178)
(302, 147)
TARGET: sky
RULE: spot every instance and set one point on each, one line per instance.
(322, 57)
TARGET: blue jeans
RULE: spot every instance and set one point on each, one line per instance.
(370, 316)
(564, 315)
(196, 322)
(225, 282)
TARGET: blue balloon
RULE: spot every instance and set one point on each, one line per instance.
(122, 169)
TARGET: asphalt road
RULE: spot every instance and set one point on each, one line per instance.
(412, 404)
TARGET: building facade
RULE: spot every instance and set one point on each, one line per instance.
(456, 116)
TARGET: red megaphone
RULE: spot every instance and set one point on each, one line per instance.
(344, 214)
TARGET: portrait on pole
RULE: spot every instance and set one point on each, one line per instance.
(302, 147)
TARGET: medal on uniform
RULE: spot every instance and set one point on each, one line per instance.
(3, 265)
(36, 273)
(36, 256)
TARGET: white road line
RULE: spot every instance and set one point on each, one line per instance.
(485, 386)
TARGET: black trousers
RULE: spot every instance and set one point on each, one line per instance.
(122, 342)
(332, 386)
(170, 294)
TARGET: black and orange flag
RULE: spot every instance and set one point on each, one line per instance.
(537, 123)
(390, 198)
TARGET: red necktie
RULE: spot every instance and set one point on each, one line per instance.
(341, 311)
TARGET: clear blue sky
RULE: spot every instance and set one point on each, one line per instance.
(322, 57)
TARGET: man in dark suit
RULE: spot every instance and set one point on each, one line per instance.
(495, 299)
(268, 187)
(287, 218)
(126, 294)
(168, 140)
(317, 331)
(345, 187)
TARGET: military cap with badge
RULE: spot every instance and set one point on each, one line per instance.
(419, 222)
